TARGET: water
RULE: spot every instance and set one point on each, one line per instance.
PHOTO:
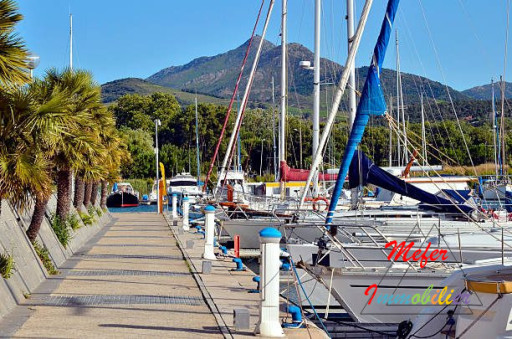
(149, 209)
(140, 208)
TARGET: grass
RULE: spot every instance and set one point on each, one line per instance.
(6, 265)
(73, 222)
(99, 211)
(483, 169)
(87, 219)
(62, 231)
(44, 256)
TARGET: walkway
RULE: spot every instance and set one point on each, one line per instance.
(128, 281)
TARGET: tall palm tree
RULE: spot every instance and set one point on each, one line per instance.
(72, 150)
(28, 135)
(13, 53)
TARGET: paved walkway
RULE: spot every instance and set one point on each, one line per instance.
(128, 281)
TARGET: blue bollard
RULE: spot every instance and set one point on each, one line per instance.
(239, 265)
(257, 280)
(296, 317)
(285, 267)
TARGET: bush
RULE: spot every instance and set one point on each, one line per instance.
(6, 265)
(86, 218)
(44, 256)
(99, 212)
(62, 231)
(73, 222)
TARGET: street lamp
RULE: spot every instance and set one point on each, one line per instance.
(157, 123)
(300, 143)
(32, 62)
(261, 160)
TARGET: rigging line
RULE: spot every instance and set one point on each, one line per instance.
(474, 30)
(460, 210)
(446, 86)
(412, 42)
(233, 96)
(247, 90)
(503, 151)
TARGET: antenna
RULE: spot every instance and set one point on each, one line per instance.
(71, 41)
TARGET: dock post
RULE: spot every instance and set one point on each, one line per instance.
(268, 324)
(174, 206)
(209, 228)
(186, 223)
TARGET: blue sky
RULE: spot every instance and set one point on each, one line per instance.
(460, 42)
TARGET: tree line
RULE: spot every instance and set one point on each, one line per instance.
(135, 115)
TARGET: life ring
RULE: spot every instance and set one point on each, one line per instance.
(316, 206)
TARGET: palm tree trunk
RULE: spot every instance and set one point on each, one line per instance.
(37, 216)
(79, 193)
(94, 194)
(64, 177)
(87, 194)
(104, 193)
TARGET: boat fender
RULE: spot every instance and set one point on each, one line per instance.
(201, 232)
(198, 228)
(296, 317)
(224, 250)
(239, 265)
(257, 280)
(285, 266)
(404, 328)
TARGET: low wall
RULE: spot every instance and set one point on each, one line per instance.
(29, 271)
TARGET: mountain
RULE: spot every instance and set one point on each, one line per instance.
(216, 76)
(113, 90)
(484, 92)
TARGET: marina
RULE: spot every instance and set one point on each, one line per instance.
(321, 180)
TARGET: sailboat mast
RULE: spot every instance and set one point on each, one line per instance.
(423, 134)
(390, 156)
(316, 89)
(352, 75)
(274, 150)
(398, 142)
(71, 41)
(503, 162)
(197, 143)
(494, 129)
(282, 120)
(340, 89)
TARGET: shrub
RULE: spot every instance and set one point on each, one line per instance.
(44, 256)
(86, 218)
(73, 222)
(99, 212)
(62, 231)
(6, 265)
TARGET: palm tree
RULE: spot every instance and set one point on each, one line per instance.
(72, 150)
(13, 54)
(28, 135)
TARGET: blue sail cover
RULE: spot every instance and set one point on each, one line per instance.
(371, 103)
(363, 171)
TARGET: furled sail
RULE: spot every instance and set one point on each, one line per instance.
(363, 171)
(295, 174)
(371, 103)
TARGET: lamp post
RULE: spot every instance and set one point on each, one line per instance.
(157, 123)
(32, 63)
(261, 160)
(300, 143)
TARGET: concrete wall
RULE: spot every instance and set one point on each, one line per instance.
(29, 271)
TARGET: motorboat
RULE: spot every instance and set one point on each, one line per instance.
(123, 195)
